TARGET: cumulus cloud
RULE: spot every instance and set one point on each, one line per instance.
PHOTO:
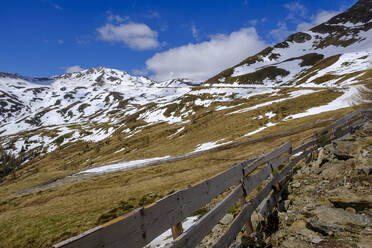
(295, 9)
(203, 60)
(195, 32)
(281, 32)
(254, 22)
(74, 68)
(137, 36)
(117, 18)
(140, 72)
(317, 19)
(152, 14)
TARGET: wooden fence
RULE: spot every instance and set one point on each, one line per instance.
(252, 183)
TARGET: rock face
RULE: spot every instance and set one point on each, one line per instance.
(330, 200)
(299, 37)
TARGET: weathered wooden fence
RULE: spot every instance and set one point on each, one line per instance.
(252, 183)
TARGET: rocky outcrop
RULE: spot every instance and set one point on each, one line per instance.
(299, 37)
(330, 202)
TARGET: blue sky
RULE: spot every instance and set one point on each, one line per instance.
(158, 38)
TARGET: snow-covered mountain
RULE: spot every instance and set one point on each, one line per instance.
(79, 96)
(335, 53)
(94, 104)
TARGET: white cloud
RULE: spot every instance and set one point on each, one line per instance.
(56, 6)
(295, 9)
(137, 36)
(321, 17)
(61, 42)
(74, 68)
(253, 22)
(195, 32)
(117, 18)
(203, 60)
(140, 72)
(281, 32)
(152, 14)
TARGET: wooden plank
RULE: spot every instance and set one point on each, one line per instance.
(342, 133)
(366, 110)
(267, 157)
(200, 229)
(235, 227)
(244, 216)
(339, 128)
(197, 232)
(339, 121)
(345, 118)
(303, 147)
(270, 202)
(143, 225)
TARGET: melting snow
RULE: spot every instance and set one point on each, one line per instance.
(270, 114)
(270, 124)
(210, 145)
(166, 237)
(124, 165)
(344, 101)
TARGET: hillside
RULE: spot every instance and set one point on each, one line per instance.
(333, 54)
(61, 130)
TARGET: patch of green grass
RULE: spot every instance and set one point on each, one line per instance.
(201, 212)
(235, 209)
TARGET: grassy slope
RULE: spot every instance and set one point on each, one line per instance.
(44, 218)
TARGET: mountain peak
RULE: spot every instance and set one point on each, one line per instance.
(359, 15)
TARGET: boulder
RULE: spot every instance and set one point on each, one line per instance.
(227, 219)
(328, 219)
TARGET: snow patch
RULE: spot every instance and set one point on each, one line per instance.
(123, 166)
(166, 237)
(270, 124)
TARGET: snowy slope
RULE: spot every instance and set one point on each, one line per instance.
(94, 104)
(333, 50)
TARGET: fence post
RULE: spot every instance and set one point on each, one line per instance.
(248, 225)
(177, 230)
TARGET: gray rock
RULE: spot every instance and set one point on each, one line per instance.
(287, 203)
(227, 219)
(296, 184)
(337, 220)
(342, 198)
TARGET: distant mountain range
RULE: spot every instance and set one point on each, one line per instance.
(103, 101)
(56, 132)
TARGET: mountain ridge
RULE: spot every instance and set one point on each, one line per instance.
(101, 118)
(337, 36)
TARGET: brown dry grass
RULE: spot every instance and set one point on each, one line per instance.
(42, 218)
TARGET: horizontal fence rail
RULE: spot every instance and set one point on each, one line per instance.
(251, 183)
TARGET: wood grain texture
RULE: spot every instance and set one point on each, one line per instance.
(199, 230)
(267, 157)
